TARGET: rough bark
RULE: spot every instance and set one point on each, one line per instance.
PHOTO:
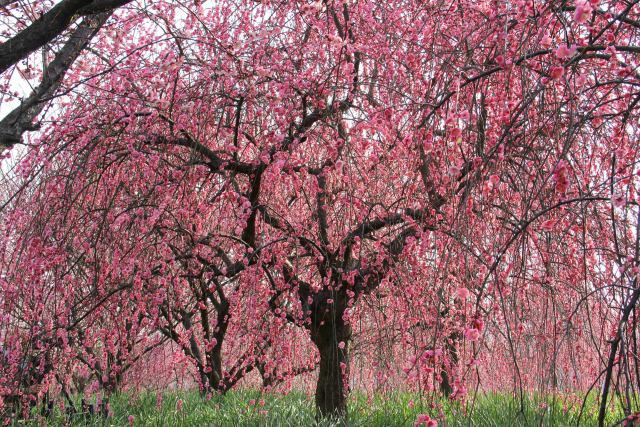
(46, 28)
(446, 388)
(21, 119)
(332, 385)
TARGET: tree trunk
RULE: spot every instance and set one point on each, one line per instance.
(215, 376)
(332, 386)
(446, 388)
(211, 374)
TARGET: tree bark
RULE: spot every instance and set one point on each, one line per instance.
(49, 26)
(21, 119)
(210, 373)
(446, 388)
(332, 385)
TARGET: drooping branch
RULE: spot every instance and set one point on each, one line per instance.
(49, 26)
(215, 162)
(21, 119)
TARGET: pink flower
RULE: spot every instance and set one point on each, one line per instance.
(341, 345)
(425, 421)
(556, 72)
(618, 201)
(455, 133)
(131, 418)
(179, 404)
(545, 41)
(548, 225)
(564, 52)
(471, 334)
(582, 12)
(560, 177)
(581, 79)
(463, 293)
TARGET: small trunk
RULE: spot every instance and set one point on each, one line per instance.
(111, 385)
(204, 381)
(446, 388)
(211, 373)
(215, 376)
(211, 380)
(332, 386)
(267, 378)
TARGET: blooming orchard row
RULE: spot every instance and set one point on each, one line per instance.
(415, 194)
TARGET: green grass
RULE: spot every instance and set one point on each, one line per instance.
(296, 409)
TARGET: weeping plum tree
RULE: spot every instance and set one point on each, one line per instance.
(208, 300)
(47, 328)
(462, 175)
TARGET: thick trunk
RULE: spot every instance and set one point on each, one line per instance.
(204, 381)
(111, 385)
(332, 340)
(211, 375)
(216, 364)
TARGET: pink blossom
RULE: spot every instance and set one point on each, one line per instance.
(619, 201)
(560, 177)
(478, 323)
(425, 421)
(556, 72)
(564, 52)
(471, 334)
(462, 293)
(545, 41)
(548, 225)
(582, 12)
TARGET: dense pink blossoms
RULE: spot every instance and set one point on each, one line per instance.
(372, 195)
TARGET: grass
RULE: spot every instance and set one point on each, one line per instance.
(245, 408)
